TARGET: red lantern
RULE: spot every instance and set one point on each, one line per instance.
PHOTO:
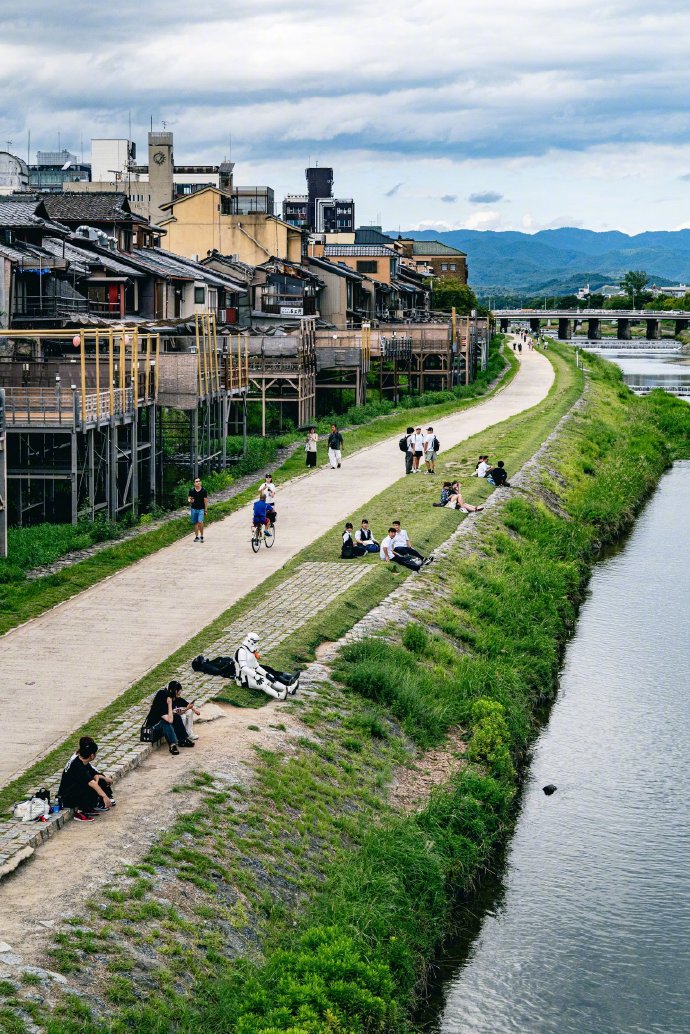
(76, 341)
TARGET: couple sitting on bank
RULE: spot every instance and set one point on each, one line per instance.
(396, 548)
(496, 476)
(358, 543)
(451, 496)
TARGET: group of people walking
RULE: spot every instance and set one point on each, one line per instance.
(335, 447)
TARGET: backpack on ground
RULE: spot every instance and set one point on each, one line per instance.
(34, 808)
(402, 444)
(437, 445)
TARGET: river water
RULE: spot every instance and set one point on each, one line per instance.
(586, 928)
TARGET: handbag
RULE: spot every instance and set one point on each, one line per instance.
(145, 734)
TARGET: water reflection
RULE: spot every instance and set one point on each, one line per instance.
(590, 929)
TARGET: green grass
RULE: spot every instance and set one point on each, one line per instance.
(20, 600)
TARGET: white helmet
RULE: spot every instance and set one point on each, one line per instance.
(251, 641)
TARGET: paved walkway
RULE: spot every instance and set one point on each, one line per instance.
(65, 665)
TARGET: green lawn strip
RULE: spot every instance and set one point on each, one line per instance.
(410, 498)
(348, 900)
(20, 600)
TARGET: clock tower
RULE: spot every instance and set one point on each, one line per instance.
(160, 173)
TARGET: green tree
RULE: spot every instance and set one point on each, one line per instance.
(451, 292)
(634, 283)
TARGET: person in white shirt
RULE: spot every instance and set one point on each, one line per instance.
(430, 450)
(267, 491)
(365, 538)
(402, 543)
(483, 467)
(417, 449)
(389, 553)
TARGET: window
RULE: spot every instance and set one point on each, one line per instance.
(367, 266)
(199, 295)
(444, 267)
(453, 267)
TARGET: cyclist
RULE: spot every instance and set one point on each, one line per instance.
(261, 517)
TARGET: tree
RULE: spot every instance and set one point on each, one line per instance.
(451, 291)
(634, 283)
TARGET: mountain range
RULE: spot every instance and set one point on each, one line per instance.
(563, 260)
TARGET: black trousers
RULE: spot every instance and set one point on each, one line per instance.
(408, 551)
(87, 798)
(407, 561)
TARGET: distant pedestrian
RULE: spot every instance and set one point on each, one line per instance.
(519, 346)
(417, 449)
(310, 447)
(514, 344)
(409, 449)
(198, 502)
(335, 446)
(430, 450)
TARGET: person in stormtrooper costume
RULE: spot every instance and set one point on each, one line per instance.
(250, 673)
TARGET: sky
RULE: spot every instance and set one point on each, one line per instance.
(480, 114)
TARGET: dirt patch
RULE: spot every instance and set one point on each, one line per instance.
(85, 857)
(412, 786)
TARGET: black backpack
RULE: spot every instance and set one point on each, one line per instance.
(402, 444)
(437, 445)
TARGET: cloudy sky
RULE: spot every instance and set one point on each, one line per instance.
(486, 114)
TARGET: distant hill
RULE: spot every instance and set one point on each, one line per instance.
(560, 261)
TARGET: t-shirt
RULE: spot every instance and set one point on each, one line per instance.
(198, 497)
(159, 707)
(418, 442)
(483, 469)
(401, 539)
(260, 511)
(387, 544)
(429, 440)
(498, 475)
(410, 442)
(75, 779)
(269, 490)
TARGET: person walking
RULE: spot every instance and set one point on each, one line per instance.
(335, 445)
(198, 502)
(520, 347)
(310, 447)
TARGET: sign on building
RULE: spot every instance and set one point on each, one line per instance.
(291, 310)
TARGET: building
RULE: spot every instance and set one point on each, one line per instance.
(434, 258)
(53, 169)
(14, 173)
(317, 210)
(208, 221)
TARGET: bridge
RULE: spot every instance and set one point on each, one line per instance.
(680, 390)
(569, 319)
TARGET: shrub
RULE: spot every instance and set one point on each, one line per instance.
(415, 638)
(490, 738)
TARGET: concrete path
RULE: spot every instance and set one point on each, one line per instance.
(67, 664)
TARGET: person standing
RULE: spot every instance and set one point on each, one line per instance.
(310, 447)
(335, 446)
(198, 501)
(417, 449)
(409, 454)
(430, 444)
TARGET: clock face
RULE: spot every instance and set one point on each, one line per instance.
(159, 157)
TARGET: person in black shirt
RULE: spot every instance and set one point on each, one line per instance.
(498, 476)
(335, 445)
(82, 787)
(163, 722)
(198, 501)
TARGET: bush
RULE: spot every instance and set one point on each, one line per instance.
(415, 638)
(490, 740)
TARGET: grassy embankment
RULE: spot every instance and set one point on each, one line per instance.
(21, 600)
(347, 899)
(410, 498)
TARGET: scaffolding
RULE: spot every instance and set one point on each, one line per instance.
(282, 371)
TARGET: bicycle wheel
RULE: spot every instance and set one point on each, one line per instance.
(270, 536)
(256, 541)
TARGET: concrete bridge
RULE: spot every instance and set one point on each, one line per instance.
(569, 319)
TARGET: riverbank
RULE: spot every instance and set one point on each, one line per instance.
(315, 840)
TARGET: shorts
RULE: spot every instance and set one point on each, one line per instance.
(420, 453)
(197, 516)
(429, 456)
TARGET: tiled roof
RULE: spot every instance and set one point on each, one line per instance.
(176, 267)
(360, 250)
(334, 267)
(435, 248)
(372, 235)
(25, 213)
(87, 258)
(97, 207)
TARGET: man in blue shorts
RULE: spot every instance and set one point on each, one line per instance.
(198, 501)
(261, 517)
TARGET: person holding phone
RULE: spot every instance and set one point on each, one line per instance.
(187, 711)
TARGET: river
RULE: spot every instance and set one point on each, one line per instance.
(586, 928)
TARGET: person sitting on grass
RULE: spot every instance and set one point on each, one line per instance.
(446, 492)
(390, 553)
(456, 501)
(164, 723)
(350, 548)
(82, 787)
(498, 476)
(483, 467)
(365, 538)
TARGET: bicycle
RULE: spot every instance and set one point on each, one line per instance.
(263, 533)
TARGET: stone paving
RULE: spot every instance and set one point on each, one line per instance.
(312, 587)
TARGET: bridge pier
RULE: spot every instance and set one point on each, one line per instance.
(504, 325)
(534, 325)
(653, 327)
(623, 330)
(565, 329)
(594, 329)
(681, 325)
